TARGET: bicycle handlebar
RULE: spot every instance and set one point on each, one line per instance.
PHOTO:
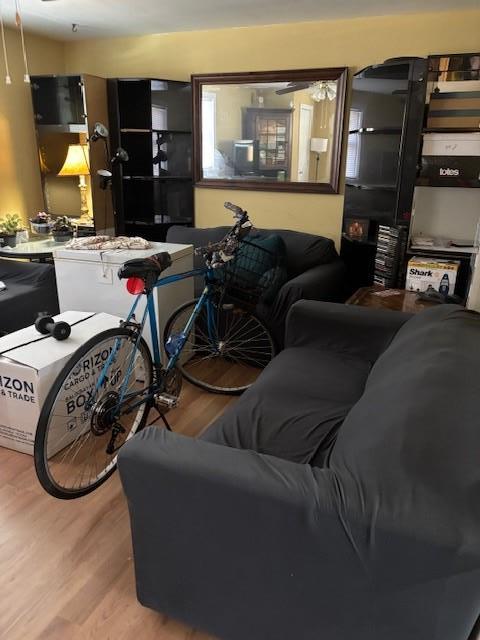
(216, 254)
(238, 211)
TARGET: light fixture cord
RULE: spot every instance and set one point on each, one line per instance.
(8, 79)
(19, 21)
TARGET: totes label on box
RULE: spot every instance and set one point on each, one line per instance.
(423, 273)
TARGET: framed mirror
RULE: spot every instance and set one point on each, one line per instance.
(269, 131)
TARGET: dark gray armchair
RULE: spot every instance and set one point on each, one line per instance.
(31, 288)
(338, 499)
(314, 270)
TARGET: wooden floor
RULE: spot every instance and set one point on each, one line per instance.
(66, 570)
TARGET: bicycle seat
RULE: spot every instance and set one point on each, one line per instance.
(147, 269)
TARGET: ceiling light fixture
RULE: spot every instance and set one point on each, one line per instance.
(323, 90)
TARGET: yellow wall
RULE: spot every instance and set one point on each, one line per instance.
(353, 43)
(20, 188)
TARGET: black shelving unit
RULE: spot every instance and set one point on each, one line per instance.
(386, 120)
(151, 119)
(439, 172)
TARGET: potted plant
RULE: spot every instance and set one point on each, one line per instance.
(9, 225)
(62, 229)
(41, 223)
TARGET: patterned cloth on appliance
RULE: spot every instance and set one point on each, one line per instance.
(107, 242)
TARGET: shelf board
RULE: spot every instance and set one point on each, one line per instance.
(181, 131)
(367, 243)
(435, 72)
(63, 128)
(452, 130)
(425, 182)
(373, 187)
(380, 130)
(443, 249)
(160, 178)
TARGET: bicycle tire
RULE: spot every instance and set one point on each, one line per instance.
(265, 346)
(42, 467)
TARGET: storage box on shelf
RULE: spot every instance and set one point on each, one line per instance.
(454, 110)
(423, 274)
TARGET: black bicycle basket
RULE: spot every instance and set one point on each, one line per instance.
(250, 276)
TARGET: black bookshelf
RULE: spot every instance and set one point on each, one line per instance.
(151, 119)
(386, 120)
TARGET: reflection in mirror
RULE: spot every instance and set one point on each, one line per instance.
(270, 131)
(61, 179)
(274, 131)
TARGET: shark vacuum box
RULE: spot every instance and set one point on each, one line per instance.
(423, 273)
(29, 364)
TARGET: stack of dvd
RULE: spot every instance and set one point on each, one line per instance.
(391, 245)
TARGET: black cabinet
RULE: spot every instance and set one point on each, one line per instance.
(386, 120)
(58, 100)
(66, 109)
(270, 130)
(152, 121)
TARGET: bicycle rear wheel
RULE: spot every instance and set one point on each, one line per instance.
(76, 422)
(230, 362)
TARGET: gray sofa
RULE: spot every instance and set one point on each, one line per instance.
(31, 288)
(339, 498)
(314, 270)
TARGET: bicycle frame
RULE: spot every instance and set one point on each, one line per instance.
(150, 313)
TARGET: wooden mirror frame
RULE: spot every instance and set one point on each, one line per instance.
(338, 74)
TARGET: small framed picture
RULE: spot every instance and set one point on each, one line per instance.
(356, 228)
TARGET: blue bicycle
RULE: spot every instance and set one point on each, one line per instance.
(103, 395)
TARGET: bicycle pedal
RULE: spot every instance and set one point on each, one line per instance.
(166, 401)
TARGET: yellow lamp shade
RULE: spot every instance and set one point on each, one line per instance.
(76, 162)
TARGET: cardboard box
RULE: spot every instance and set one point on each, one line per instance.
(454, 109)
(447, 145)
(423, 273)
(29, 364)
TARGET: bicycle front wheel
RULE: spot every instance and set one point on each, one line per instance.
(225, 354)
(81, 428)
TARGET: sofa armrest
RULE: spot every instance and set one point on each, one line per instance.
(322, 282)
(360, 331)
(236, 542)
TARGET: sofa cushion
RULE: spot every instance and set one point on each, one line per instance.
(305, 250)
(295, 408)
(417, 427)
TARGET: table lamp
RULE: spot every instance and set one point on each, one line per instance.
(76, 164)
(318, 146)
